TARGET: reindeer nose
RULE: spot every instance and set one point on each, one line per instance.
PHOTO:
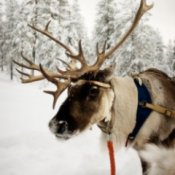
(62, 127)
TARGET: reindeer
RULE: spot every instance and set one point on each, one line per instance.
(137, 110)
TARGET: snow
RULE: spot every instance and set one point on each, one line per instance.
(28, 147)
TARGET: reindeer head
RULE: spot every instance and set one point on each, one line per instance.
(90, 94)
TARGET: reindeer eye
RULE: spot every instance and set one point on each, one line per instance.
(94, 90)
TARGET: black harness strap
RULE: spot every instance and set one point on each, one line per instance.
(142, 113)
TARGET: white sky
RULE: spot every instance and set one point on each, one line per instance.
(162, 18)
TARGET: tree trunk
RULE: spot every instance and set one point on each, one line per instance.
(35, 36)
(2, 57)
(34, 56)
(2, 63)
(11, 70)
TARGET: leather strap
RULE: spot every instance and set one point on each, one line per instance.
(158, 108)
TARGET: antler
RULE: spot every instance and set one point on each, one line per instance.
(101, 56)
(61, 86)
(32, 66)
(45, 74)
(74, 74)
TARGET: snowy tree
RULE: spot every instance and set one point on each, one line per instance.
(170, 57)
(105, 22)
(147, 49)
(10, 25)
(144, 46)
(2, 40)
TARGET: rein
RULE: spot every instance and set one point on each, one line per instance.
(110, 146)
(106, 128)
(111, 156)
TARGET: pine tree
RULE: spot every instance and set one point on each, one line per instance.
(105, 22)
(2, 40)
(147, 49)
(10, 25)
(144, 46)
(170, 57)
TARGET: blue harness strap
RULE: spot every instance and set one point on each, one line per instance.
(142, 113)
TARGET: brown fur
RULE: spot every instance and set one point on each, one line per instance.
(168, 86)
(88, 104)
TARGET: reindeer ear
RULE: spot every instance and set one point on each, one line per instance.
(101, 75)
(111, 69)
(105, 74)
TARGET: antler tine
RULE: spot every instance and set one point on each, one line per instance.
(65, 63)
(47, 25)
(141, 11)
(23, 73)
(145, 7)
(103, 50)
(47, 76)
(104, 47)
(30, 77)
(61, 86)
(81, 53)
(49, 35)
(21, 65)
(32, 65)
(76, 73)
(97, 49)
(80, 56)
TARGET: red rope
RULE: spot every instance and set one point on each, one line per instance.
(111, 156)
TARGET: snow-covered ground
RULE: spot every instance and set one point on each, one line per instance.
(28, 148)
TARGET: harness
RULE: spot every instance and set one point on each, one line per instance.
(144, 109)
(142, 113)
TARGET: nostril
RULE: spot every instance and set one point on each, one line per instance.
(50, 124)
(62, 127)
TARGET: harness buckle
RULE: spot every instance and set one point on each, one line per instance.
(168, 113)
(142, 104)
